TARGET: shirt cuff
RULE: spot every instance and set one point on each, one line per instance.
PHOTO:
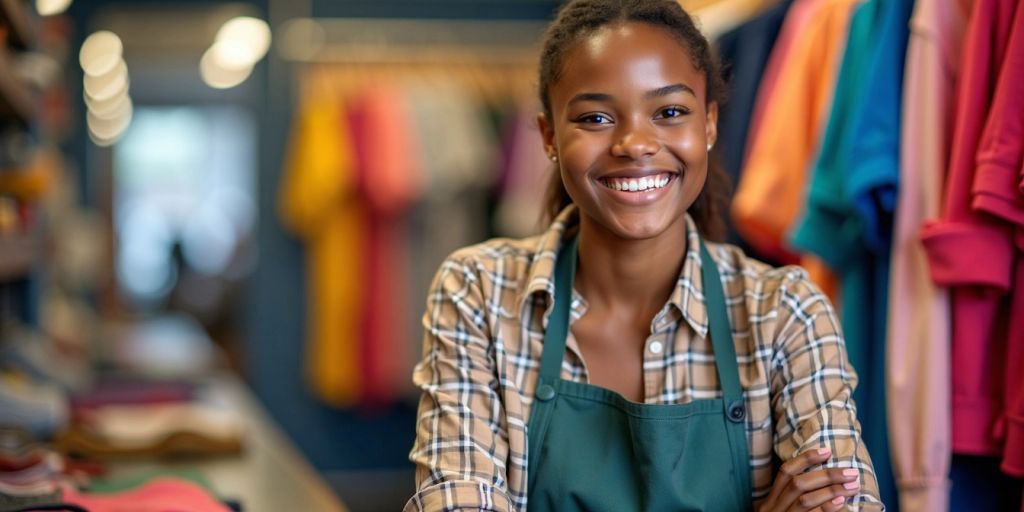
(964, 253)
(457, 496)
(994, 193)
(923, 494)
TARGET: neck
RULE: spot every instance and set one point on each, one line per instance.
(628, 277)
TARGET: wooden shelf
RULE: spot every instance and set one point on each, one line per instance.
(17, 256)
(15, 15)
(16, 98)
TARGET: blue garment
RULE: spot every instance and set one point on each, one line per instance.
(849, 214)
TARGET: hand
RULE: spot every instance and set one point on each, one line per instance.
(824, 490)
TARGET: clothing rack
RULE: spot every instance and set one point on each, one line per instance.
(397, 41)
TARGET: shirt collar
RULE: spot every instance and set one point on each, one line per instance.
(687, 297)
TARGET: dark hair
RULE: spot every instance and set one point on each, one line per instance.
(580, 18)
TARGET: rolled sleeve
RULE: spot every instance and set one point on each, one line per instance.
(812, 388)
(460, 449)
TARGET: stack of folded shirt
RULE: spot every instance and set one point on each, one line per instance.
(29, 474)
(162, 430)
(40, 408)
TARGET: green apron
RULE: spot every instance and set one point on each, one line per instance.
(591, 449)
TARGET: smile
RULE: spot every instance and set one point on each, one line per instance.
(638, 184)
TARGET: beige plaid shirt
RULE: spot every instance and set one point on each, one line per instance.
(484, 331)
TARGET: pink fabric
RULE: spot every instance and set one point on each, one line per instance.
(973, 253)
(1002, 142)
(390, 181)
(1000, 160)
(162, 494)
(1013, 448)
(918, 355)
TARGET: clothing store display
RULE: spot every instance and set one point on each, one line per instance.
(768, 199)
(39, 407)
(317, 201)
(745, 53)
(918, 385)
(973, 253)
(159, 430)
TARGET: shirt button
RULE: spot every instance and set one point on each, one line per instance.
(655, 347)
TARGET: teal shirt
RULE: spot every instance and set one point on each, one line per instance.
(851, 203)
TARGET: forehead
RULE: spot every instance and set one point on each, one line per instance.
(626, 56)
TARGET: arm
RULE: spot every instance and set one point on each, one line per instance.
(812, 387)
(461, 445)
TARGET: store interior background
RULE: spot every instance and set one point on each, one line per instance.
(251, 298)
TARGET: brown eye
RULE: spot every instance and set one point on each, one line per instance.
(671, 112)
(596, 118)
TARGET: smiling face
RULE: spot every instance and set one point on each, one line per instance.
(631, 127)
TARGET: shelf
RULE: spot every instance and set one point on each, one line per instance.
(16, 97)
(17, 256)
(15, 15)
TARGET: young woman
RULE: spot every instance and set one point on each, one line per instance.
(620, 361)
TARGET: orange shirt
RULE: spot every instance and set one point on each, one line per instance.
(770, 196)
(318, 203)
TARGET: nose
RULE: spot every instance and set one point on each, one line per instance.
(636, 141)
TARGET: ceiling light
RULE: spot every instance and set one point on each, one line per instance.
(100, 53)
(220, 77)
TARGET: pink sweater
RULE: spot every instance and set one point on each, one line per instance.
(973, 252)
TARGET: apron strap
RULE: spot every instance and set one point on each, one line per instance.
(728, 375)
(721, 332)
(558, 322)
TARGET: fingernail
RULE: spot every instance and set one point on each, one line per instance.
(850, 472)
(839, 500)
(852, 485)
(823, 451)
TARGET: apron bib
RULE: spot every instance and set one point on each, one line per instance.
(591, 449)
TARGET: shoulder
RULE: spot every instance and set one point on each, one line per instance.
(766, 289)
(496, 264)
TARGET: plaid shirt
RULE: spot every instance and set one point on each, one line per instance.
(484, 331)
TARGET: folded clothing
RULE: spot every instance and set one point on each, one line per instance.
(162, 494)
(155, 430)
(12, 502)
(39, 408)
(128, 391)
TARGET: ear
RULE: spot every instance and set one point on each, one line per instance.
(547, 134)
(711, 123)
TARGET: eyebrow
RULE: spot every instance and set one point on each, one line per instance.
(656, 93)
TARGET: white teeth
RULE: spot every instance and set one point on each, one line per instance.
(640, 185)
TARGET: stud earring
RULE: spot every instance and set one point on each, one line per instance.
(710, 146)
(554, 158)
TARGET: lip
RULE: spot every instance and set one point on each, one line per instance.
(636, 173)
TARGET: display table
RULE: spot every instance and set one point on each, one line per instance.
(270, 475)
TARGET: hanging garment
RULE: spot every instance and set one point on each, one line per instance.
(390, 181)
(999, 163)
(458, 160)
(768, 199)
(527, 170)
(918, 389)
(318, 203)
(851, 199)
(591, 449)
(744, 52)
(972, 253)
